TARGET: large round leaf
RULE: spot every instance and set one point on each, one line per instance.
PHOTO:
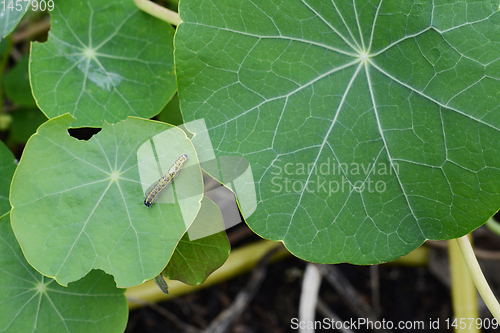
(370, 125)
(31, 302)
(98, 65)
(79, 205)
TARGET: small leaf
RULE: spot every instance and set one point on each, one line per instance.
(7, 168)
(194, 260)
(103, 60)
(78, 205)
(31, 302)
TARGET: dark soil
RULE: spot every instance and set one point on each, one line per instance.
(412, 295)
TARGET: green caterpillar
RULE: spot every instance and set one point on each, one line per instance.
(164, 181)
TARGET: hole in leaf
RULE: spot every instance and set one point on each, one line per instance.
(84, 133)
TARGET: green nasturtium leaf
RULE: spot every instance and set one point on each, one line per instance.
(103, 60)
(11, 12)
(370, 126)
(7, 168)
(79, 205)
(31, 302)
(194, 260)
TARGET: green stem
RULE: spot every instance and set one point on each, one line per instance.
(158, 11)
(463, 291)
(478, 277)
(493, 225)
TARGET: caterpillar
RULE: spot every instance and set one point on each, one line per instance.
(164, 181)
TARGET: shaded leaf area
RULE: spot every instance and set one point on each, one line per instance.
(78, 205)
(370, 126)
(32, 302)
(17, 84)
(27, 118)
(194, 260)
(25, 122)
(7, 168)
(171, 113)
(11, 12)
(97, 65)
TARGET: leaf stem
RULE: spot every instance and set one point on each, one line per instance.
(478, 277)
(160, 281)
(158, 11)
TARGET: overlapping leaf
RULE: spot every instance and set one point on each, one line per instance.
(194, 260)
(370, 125)
(78, 205)
(30, 302)
(103, 60)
